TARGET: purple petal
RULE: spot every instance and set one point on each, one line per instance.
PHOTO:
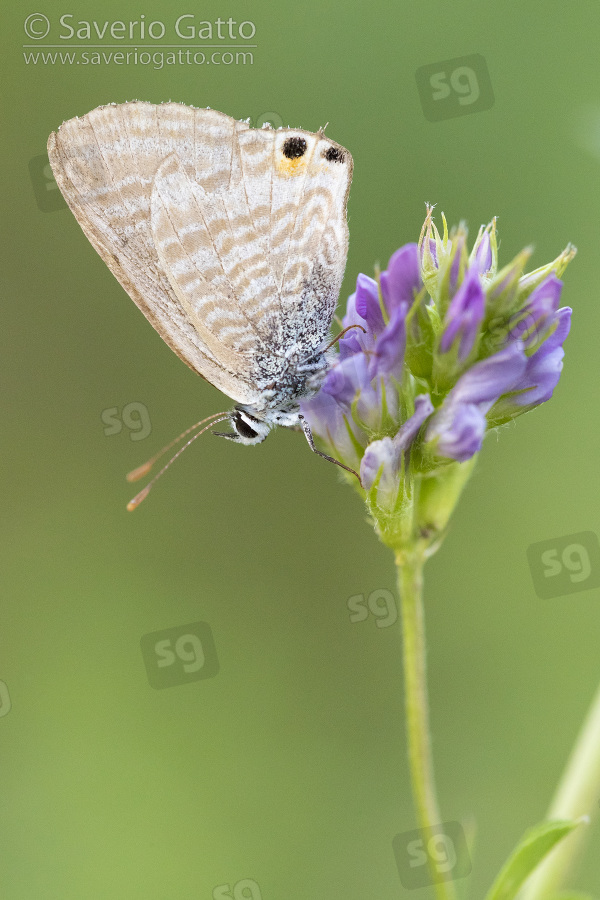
(483, 256)
(409, 430)
(378, 454)
(543, 369)
(367, 303)
(357, 340)
(352, 317)
(464, 315)
(369, 404)
(388, 355)
(402, 279)
(349, 344)
(432, 250)
(458, 431)
(457, 250)
(327, 421)
(558, 336)
(345, 379)
(539, 311)
(487, 380)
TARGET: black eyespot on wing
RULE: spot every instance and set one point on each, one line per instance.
(294, 147)
(333, 154)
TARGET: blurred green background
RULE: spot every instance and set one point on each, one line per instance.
(288, 767)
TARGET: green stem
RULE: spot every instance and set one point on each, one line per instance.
(410, 583)
(577, 795)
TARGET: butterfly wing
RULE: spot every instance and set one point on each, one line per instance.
(105, 165)
(297, 185)
(309, 236)
(232, 247)
(274, 243)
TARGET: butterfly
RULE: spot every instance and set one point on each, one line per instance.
(231, 240)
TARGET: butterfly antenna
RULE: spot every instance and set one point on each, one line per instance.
(341, 335)
(138, 473)
(133, 504)
(335, 340)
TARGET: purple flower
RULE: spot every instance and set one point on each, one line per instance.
(366, 381)
(367, 303)
(402, 279)
(464, 316)
(384, 456)
(541, 375)
(414, 394)
(537, 316)
(483, 254)
(457, 429)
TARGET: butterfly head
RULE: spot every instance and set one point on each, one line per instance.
(247, 428)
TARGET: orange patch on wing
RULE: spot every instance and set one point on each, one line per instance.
(291, 167)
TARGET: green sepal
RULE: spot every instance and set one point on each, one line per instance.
(429, 269)
(422, 324)
(360, 450)
(446, 262)
(439, 492)
(447, 367)
(501, 296)
(529, 282)
(382, 306)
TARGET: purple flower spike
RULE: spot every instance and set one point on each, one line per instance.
(464, 316)
(479, 348)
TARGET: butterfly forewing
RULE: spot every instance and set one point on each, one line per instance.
(232, 241)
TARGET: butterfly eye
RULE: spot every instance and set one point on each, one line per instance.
(243, 428)
(294, 147)
(333, 154)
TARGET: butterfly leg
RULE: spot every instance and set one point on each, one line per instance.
(311, 443)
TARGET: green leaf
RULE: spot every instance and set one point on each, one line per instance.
(535, 844)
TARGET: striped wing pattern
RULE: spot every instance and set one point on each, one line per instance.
(234, 252)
